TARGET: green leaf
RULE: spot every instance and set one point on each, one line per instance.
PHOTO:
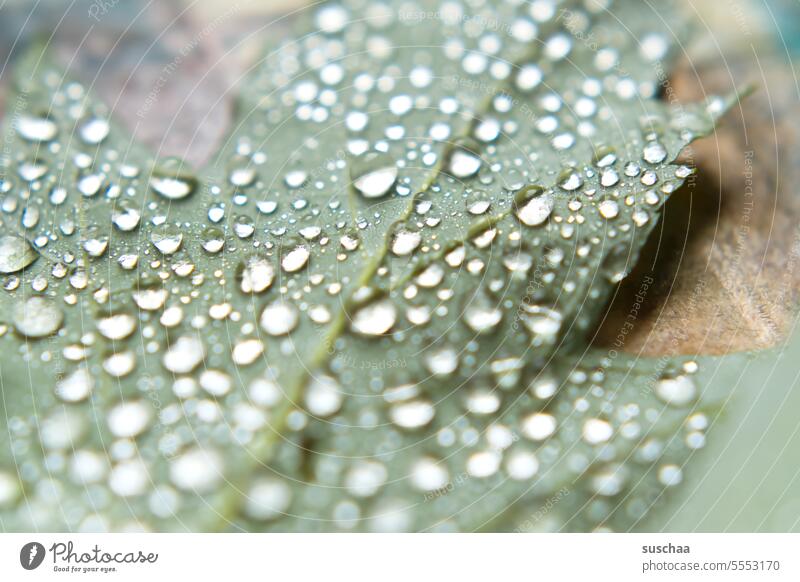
(370, 312)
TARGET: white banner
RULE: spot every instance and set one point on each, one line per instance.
(399, 557)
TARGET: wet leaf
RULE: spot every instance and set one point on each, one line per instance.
(370, 311)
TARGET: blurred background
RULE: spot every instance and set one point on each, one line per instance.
(749, 474)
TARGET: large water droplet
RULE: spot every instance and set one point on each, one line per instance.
(15, 254)
(373, 174)
(323, 397)
(37, 317)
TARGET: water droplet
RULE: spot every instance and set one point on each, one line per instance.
(184, 355)
(376, 318)
(483, 464)
(37, 317)
(126, 219)
(428, 474)
(608, 208)
(295, 259)
(15, 254)
(677, 391)
(373, 174)
(483, 401)
(150, 298)
(247, 351)
(117, 327)
(522, 465)
(323, 397)
(464, 162)
(242, 177)
(442, 362)
(256, 274)
(279, 318)
(167, 239)
(544, 323)
(535, 207)
(413, 414)
(538, 426)
(215, 382)
(654, 153)
(94, 131)
(570, 180)
(213, 240)
(596, 431)
(76, 386)
(36, 128)
(267, 499)
(405, 242)
(171, 181)
(129, 419)
(365, 478)
(482, 315)
(670, 475)
(197, 470)
(119, 365)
